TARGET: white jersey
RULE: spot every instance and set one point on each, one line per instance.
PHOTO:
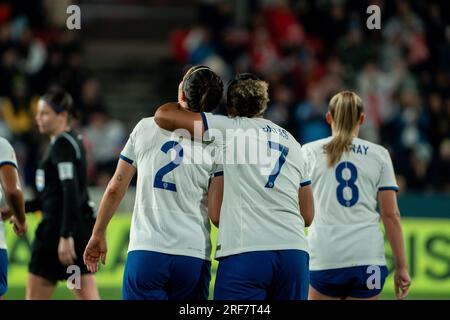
(264, 167)
(7, 156)
(346, 230)
(170, 211)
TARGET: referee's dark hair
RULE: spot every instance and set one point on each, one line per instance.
(203, 89)
(60, 100)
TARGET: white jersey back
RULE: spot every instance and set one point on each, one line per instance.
(264, 167)
(7, 157)
(170, 212)
(346, 229)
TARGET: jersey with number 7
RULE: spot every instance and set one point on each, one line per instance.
(264, 167)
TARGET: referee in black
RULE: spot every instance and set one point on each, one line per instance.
(67, 222)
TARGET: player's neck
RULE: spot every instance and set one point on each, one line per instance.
(355, 132)
(183, 104)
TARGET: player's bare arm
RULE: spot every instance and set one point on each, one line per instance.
(390, 214)
(306, 201)
(215, 196)
(112, 197)
(9, 181)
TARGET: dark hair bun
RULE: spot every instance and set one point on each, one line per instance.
(203, 89)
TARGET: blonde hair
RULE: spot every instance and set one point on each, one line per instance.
(346, 109)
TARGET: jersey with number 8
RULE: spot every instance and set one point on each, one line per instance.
(170, 211)
(346, 229)
(264, 167)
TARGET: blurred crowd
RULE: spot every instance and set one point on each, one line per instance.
(37, 53)
(306, 50)
(309, 50)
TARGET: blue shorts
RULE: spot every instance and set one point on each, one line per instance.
(3, 271)
(263, 275)
(153, 275)
(357, 282)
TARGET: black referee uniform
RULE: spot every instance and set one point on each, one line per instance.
(61, 182)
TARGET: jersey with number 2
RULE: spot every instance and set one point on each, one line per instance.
(170, 212)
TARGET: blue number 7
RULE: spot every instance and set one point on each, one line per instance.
(281, 160)
(159, 183)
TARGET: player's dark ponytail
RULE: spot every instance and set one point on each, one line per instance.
(203, 89)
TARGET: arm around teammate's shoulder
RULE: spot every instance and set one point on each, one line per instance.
(171, 116)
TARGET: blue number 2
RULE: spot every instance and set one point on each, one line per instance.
(350, 183)
(166, 147)
(276, 171)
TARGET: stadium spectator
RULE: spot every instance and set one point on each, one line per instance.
(106, 138)
(309, 119)
(34, 58)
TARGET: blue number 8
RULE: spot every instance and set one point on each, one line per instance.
(159, 183)
(350, 183)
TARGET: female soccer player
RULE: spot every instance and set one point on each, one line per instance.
(63, 198)
(170, 247)
(10, 185)
(261, 248)
(345, 240)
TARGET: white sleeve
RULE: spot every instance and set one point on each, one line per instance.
(387, 179)
(7, 154)
(217, 170)
(303, 167)
(310, 158)
(215, 126)
(128, 153)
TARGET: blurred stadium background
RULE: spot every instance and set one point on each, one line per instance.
(129, 56)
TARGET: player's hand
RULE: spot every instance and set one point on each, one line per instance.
(66, 251)
(5, 214)
(20, 228)
(96, 249)
(402, 281)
